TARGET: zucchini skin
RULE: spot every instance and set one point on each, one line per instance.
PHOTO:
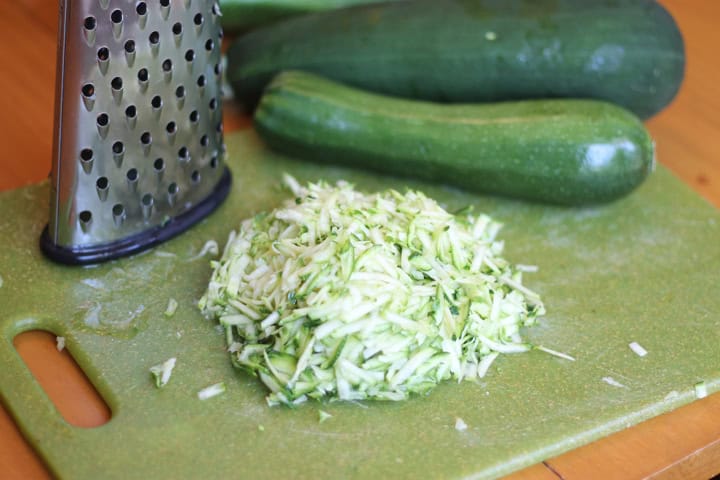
(628, 52)
(562, 151)
(243, 15)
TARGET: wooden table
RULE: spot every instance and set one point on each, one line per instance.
(684, 444)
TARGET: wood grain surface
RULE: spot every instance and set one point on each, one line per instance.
(684, 444)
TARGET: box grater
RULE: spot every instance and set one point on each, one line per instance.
(138, 142)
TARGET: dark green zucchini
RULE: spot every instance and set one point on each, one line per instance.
(564, 151)
(627, 52)
(243, 15)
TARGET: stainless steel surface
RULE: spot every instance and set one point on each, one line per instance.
(138, 120)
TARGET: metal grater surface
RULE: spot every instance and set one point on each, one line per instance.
(138, 147)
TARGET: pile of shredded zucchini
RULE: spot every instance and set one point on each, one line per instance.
(346, 295)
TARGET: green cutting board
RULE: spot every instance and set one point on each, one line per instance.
(643, 269)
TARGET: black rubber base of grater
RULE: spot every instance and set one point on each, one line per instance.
(143, 241)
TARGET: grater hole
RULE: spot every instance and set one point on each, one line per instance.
(190, 55)
(86, 159)
(195, 177)
(167, 65)
(116, 83)
(132, 174)
(183, 153)
(159, 164)
(164, 3)
(213, 104)
(86, 154)
(88, 90)
(85, 216)
(103, 54)
(156, 101)
(102, 186)
(118, 147)
(194, 116)
(118, 210)
(177, 28)
(154, 38)
(103, 119)
(141, 8)
(221, 34)
(209, 45)
(217, 69)
(219, 127)
(198, 19)
(130, 46)
(90, 23)
(214, 161)
(147, 202)
(171, 127)
(216, 9)
(116, 16)
(180, 92)
(131, 111)
(201, 81)
(146, 138)
(173, 189)
(143, 75)
(204, 141)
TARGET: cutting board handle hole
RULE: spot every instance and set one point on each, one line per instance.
(62, 379)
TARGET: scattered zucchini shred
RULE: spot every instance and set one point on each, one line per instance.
(612, 382)
(460, 425)
(212, 391)
(171, 308)
(163, 371)
(211, 247)
(323, 416)
(343, 295)
(637, 349)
